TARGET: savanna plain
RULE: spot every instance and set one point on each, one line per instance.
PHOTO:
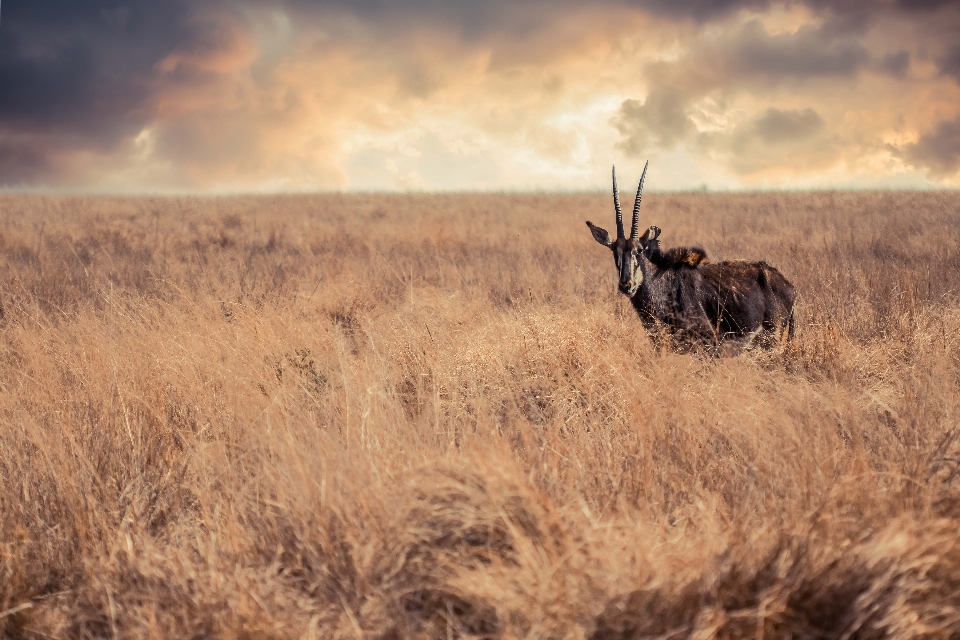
(432, 416)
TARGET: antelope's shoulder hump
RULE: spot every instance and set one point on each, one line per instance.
(684, 256)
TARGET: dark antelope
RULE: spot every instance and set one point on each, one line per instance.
(698, 302)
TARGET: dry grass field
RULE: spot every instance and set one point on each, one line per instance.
(432, 416)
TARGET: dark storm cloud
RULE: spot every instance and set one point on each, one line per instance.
(82, 66)
(699, 10)
(82, 75)
(475, 18)
(661, 120)
(478, 17)
(749, 59)
(22, 161)
(778, 126)
(751, 55)
(809, 52)
(923, 5)
(949, 64)
(937, 151)
(779, 139)
(896, 64)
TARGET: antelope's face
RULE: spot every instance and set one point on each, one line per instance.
(628, 253)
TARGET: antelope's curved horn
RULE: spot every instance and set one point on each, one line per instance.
(616, 202)
(635, 229)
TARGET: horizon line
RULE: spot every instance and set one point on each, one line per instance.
(217, 193)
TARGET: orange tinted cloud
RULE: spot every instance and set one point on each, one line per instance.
(431, 95)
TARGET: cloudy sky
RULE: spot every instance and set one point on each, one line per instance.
(173, 95)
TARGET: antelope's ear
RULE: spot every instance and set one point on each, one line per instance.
(650, 234)
(600, 235)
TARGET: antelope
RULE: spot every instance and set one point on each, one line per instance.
(678, 292)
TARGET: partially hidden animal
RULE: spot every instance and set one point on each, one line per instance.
(697, 303)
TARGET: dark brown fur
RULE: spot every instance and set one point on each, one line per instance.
(690, 256)
(706, 303)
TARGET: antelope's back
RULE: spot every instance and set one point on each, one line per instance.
(751, 290)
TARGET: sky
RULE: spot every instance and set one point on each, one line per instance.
(369, 95)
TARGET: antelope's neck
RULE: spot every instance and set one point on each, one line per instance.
(650, 296)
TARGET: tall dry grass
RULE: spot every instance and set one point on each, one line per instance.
(433, 417)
